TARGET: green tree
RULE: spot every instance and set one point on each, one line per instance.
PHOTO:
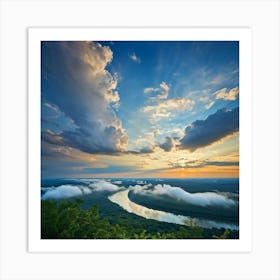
(194, 231)
(66, 219)
(224, 235)
(49, 217)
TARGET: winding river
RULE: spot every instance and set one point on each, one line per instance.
(121, 198)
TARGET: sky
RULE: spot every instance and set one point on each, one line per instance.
(135, 109)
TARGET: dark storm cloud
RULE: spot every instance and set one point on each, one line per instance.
(78, 85)
(52, 138)
(80, 140)
(168, 144)
(202, 133)
(147, 150)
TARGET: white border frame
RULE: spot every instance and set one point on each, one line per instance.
(262, 16)
(243, 35)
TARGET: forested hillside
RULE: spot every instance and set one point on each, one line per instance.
(66, 220)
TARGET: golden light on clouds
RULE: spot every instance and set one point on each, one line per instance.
(203, 172)
(98, 121)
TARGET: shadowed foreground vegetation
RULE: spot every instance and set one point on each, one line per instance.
(66, 220)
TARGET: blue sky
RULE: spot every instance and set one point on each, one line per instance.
(137, 109)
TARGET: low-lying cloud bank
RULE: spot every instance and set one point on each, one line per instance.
(203, 199)
(199, 199)
(68, 191)
(103, 185)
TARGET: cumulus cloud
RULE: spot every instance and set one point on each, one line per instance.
(164, 86)
(227, 95)
(199, 199)
(202, 133)
(165, 108)
(147, 138)
(163, 90)
(134, 57)
(80, 86)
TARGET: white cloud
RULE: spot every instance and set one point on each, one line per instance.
(85, 93)
(150, 89)
(146, 142)
(65, 191)
(209, 105)
(200, 199)
(218, 79)
(103, 185)
(52, 107)
(175, 132)
(204, 99)
(165, 108)
(163, 90)
(134, 57)
(69, 191)
(227, 95)
(117, 182)
(175, 104)
(164, 86)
